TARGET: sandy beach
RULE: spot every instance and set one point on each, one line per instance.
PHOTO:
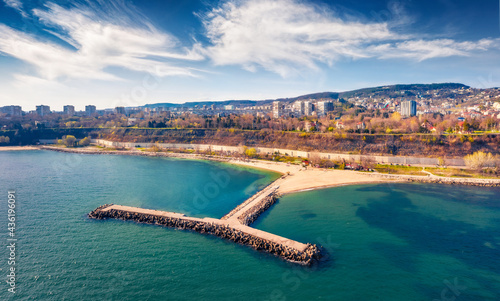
(300, 178)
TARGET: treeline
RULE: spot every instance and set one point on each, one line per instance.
(395, 144)
(32, 136)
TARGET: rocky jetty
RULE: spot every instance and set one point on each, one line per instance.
(252, 214)
(306, 257)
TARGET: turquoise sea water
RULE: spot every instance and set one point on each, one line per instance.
(385, 242)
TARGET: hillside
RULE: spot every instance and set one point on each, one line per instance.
(384, 91)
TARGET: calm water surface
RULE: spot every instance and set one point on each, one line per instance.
(385, 242)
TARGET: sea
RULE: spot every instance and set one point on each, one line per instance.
(381, 241)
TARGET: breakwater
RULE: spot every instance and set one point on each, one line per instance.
(253, 213)
(248, 211)
(259, 240)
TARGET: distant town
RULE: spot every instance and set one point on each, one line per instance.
(440, 120)
(446, 107)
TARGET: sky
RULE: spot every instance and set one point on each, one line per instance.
(129, 53)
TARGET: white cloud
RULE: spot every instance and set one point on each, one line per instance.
(17, 5)
(422, 50)
(281, 35)
(287, 36)
(99, 43)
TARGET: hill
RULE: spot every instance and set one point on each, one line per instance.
(384, 91)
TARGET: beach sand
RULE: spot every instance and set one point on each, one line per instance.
(300, 178)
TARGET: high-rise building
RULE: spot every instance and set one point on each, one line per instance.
(298, 107)
(308, 108)
(42, 110)
(277, 109)
(324, 107)
(90, 110)
(408, 108)
(120, 110)
(69, 110)
(12, 110)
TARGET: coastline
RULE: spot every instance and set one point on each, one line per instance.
(298, 178)
(18, 148)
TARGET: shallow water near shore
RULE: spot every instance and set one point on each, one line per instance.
(386, 242)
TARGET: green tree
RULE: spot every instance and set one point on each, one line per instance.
(84, 142)
(69, 140)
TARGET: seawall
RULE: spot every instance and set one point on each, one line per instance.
(439, 180)
(385, 159)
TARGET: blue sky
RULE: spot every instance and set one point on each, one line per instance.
(129, 53)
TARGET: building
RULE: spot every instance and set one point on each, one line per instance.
(308, 108)
(408, 108)
(12, 110)
(361, 126)
(132, 121)
(120, 110)
(90, 110)
(298, 107)
(69, 110)
(324, 107)
(42, 110)
(229, 107)
(277, 109)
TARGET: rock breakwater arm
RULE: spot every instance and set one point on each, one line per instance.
(259, 240)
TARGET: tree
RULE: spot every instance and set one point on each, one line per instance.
(84, 142)
(479, 159)
(69, 140)
(4, 139)
(368, 162)
(315, 158)
(466, 126)
(251, 152)
(396, 116)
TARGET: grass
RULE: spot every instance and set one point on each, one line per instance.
(400, 170)
(437, 171)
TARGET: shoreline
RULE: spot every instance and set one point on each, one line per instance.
(298, 178)
(18, 148)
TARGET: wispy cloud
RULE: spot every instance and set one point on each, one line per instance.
(17, 5)
(421, 50)
(287, 36)
(99, 39)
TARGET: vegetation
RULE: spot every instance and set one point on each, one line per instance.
(480, 160)
(68, 141)
(4, 140)
(84, 142)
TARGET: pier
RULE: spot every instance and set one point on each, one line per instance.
(234, 226)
